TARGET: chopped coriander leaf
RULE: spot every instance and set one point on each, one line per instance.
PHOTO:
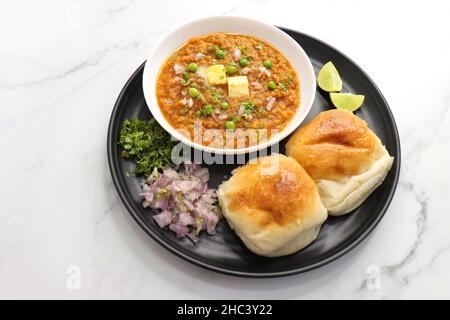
(213, 48)
(217, 95)
(185, 82)
(249, 107)
(243, 49)
(261, 112)
(215, 99)
(147, 144)
(202, 98)
(283, 85)
(206, 111)
(184, 110)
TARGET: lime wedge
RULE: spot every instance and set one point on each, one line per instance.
(329, 79)
(347, 101)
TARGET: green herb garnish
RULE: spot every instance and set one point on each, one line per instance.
(147, 144)
(243, 49)
(185, 81)
(249, 107)
(260, 112)
(206, 111)
(283, 85)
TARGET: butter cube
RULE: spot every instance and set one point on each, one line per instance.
(238, 86)
(216, 75)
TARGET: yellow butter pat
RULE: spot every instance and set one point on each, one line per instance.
(216, 75)
(238, 86)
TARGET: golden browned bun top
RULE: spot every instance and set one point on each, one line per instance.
(334, 144)
(273, 190)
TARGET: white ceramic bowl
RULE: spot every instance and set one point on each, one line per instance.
(279, 39)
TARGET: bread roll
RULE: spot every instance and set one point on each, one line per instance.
(272, 205)
(343, 156)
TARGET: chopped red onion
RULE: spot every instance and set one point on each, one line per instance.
(257, 85)
(182, 200)
(163, 219)
(236, 54)
(178, 68)
(198, 56)
(270, 103)
(264, 70)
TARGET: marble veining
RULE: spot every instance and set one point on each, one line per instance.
(64, 232)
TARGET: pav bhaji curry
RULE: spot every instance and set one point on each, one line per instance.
(227, 82)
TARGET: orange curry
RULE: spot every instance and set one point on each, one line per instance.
(227, 82)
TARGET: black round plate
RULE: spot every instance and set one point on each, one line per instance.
(224, 252)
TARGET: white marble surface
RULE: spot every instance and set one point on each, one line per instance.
(63, 64)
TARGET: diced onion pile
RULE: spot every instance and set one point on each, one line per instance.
(182, 200)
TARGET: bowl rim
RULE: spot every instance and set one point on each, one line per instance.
(305, 104)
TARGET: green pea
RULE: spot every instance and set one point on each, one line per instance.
(215, 100)
(267, 64)
(192, 67)
(271, 85)
(220, 54)
(232, 69)
(193, 92)
(208, 109)
(243, 62)
(224, 105)
(230, 125)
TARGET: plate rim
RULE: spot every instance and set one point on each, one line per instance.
(115, 172)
